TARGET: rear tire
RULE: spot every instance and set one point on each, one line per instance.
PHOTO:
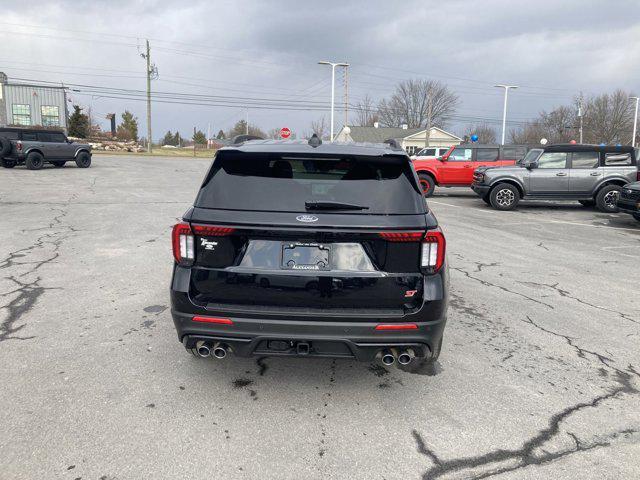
(587, 203)
(427, 183)
(83, 160)
(423, 365)
(35, 161)
(8, 163)
(606, 198)
(504, 196)
(58, 164)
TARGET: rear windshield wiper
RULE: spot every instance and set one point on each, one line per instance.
(329, 205)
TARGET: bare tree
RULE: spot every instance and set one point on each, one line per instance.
(320, 127)
(274, 133)
(418, 103)
(485, 132)
(366, 114)
(608, 118)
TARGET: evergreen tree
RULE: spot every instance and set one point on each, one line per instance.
(128, 129)
(220, 135)
(168, 138)
(78, 123)
(200, 138)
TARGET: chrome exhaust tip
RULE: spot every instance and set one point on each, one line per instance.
(387, 357)
(203, 349)
(406, 357)
(220, 350)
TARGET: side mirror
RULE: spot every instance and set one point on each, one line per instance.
(531, 165)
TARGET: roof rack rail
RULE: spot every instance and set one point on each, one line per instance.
(315, 141)
(392, 143)
(238, 139)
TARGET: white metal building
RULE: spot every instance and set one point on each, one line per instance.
(24, 104)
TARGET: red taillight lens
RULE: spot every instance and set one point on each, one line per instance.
(397, 326)
(433, 250)
(638, 176)
(19, 145)
(402, 236)
(218, 320)
(183, 244)
(212, 231)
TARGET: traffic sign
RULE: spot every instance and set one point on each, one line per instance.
(285, 132)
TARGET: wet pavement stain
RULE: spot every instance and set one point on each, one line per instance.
(241, 382)
(378, 370)
(158, 309)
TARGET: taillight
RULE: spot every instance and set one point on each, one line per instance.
(638, 176)
(433, 249)
(218, 320)
(19, 145)
(397, 326)
(402, 236)
(212, 231)
(183, 244)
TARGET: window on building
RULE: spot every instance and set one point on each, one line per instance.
(50, 115)
(21, 114)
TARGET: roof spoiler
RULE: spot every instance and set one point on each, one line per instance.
(392, 143)
(238, 139)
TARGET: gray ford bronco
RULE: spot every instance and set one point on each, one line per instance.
(35, 147)
(590, 174)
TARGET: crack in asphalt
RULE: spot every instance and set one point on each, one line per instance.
(532, 452)
(27, 292)
(504, 289)
(567, 294)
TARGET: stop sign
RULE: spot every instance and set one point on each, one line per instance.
(285, 132)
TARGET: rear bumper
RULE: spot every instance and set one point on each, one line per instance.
(631, 206)
(330, 336)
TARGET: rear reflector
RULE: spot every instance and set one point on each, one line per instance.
(222, 321)
(397, 326)
(212, 231)
(402, 236)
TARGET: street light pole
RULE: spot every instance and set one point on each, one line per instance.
(504, 110)
(333, 86)
(635, 122)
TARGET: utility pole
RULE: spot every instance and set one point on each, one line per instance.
(504, 109)
(346, 96)
(333, 86)
(247, 123)
(427, 133)
(580, 117)
(152, 73)
(635, 122)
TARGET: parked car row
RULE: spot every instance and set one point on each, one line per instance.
(455, 167)
(36, 147)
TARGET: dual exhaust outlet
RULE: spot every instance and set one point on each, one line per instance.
(219, 350)
(404, 357)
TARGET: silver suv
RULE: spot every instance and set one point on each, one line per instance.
(590, 174)
(35, 147)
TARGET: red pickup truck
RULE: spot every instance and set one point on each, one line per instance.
(455, 168)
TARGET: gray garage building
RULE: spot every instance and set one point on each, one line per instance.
(23, 104)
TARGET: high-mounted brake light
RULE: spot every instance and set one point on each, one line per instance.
(183, 244)
(433, 249)
(212, 231)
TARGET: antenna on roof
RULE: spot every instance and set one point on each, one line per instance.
(315, 141)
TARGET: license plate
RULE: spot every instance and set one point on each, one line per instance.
(306, 256)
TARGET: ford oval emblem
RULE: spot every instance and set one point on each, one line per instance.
(307, 218)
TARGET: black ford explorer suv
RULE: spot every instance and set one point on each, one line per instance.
(308, 249)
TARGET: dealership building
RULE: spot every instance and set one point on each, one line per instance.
(23, 104)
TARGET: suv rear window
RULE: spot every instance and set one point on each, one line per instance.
(285, 182)
(617, 159)
(10, 135)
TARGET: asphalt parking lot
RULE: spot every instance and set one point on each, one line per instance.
(539, 375)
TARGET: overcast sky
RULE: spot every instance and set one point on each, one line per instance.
(269, 50)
